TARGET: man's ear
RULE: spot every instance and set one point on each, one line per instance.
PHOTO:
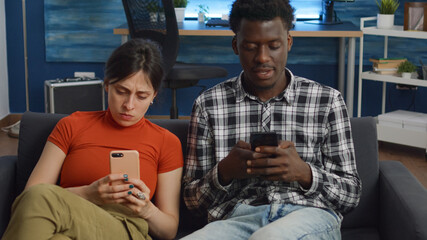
(106, 88)
(290, 42)
(234, 45)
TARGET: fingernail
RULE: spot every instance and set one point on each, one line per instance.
(125, 175)
(131, 186)
(130, 192)
(126, 179)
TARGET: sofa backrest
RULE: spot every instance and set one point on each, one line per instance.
(33, 132)
(36, 127)
(366, 214)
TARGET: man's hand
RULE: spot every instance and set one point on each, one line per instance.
(283, 164)
(234, 166)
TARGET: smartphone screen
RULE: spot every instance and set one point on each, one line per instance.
(125, 162)
(263, 139)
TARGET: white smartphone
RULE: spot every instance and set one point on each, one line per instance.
(125, 162)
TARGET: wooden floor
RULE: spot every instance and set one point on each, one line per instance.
(413, 158)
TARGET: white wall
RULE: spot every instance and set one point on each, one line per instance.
(4, 86)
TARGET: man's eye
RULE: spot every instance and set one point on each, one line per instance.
(275, 46)
(250, 46)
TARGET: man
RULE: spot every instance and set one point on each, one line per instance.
(296, 190)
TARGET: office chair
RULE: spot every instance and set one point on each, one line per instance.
(155, 20)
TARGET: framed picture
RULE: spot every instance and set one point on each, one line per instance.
(415, 16)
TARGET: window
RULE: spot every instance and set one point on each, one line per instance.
(304, 9)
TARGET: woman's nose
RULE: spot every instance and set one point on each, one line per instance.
(129, 103)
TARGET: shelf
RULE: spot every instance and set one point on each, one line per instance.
(387, 133)
(402, 136)
(393, 79)
(396, 31)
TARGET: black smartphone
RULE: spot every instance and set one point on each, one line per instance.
(263, 139)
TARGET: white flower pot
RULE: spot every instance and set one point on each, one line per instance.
(180, 13)
(406, 75)
(201, 17)
(153, 17)
(385, 21)
(162, 17)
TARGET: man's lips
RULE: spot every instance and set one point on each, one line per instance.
(264, 73)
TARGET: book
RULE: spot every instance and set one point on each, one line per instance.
(387, 72)
(385, 69)
(386, 65)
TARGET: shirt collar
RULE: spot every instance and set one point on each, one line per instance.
(287, 95)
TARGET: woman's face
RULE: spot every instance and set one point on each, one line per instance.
(130, 98)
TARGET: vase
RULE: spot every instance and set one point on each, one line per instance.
(180, 14)
(406, 75)
(153, 16)
(385, 21)
(201, 17)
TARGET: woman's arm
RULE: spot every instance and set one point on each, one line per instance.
(48, 167)
(163, 224)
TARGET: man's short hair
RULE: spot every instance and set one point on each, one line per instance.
(260, 10)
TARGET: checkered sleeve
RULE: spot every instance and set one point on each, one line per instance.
(337, 182)
(202, 189)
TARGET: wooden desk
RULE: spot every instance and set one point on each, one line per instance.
(301, 29)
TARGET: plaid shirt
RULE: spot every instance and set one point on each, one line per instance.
(307, 113)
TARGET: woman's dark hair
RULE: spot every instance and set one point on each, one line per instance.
(133, 56)
(260, 10)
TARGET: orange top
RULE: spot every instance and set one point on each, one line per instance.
(88, 137)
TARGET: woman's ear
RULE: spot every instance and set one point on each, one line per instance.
(106, 87)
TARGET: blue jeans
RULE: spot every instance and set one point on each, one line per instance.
(276, 221)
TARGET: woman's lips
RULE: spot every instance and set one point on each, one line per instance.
(125, 116)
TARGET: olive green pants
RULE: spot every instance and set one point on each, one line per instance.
(47, 211)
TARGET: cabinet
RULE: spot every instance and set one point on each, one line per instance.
(387, 133)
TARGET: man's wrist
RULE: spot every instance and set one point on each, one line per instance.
(223, 180)
(307, 178)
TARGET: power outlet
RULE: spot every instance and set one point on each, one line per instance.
(405, 87)
(84, 74)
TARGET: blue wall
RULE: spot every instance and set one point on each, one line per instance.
(314, 58)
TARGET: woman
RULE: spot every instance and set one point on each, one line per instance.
(86, 205)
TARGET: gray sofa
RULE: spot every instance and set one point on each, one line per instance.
(393, 203)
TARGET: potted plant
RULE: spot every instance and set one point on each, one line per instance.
(202, 10)
(180, 6)
(386, 10)
(406, 68)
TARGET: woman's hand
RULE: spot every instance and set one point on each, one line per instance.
(138, 199)
(112, 188)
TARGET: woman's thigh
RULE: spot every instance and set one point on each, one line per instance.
(45, 210)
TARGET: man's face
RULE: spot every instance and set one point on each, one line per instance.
(263, 48)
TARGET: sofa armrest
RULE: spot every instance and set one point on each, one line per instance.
(7, 186)
(403, 203)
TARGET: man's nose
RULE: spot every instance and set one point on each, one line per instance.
(263, 55)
